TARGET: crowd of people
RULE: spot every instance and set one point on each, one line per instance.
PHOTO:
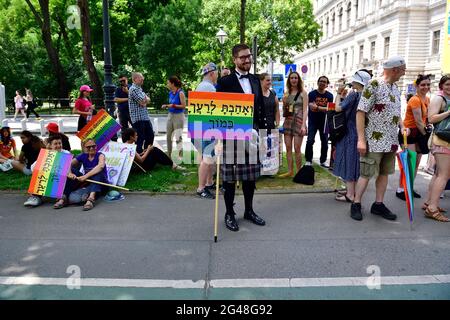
(374, 131)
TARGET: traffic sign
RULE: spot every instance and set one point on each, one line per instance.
(289, 68)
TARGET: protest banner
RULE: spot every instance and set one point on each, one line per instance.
(101, 128)
(50, 173)
(229, 113)
(270, 162)
(119, 158)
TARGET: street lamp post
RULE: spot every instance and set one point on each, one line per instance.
(108, 86)
(222, 36)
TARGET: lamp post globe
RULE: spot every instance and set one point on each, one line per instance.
(221, 36)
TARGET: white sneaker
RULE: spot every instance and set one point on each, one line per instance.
(6, 166)
(33, 201)
(307, 163)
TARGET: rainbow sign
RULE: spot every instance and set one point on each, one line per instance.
(50, 173)
(101, 128)
(229, 114)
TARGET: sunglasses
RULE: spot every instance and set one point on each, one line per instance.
(91, 147)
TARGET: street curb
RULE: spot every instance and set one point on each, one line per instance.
(192, 193)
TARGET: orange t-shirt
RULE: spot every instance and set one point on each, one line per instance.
(5, 149)
(414, 103)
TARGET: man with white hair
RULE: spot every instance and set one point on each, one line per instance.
(377, 122)
(205, 147)
(140, 120)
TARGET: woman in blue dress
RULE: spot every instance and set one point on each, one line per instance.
(346, 164)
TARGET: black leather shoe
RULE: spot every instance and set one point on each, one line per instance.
(231, 223)
(253, 217)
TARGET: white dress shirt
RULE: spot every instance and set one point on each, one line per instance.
(245, 82)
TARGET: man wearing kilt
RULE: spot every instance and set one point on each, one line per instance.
(241, 159)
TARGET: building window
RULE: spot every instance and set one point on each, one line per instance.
(330, 69)
(387, 42)
(345, 60)
(361, 53)
(349, 14)
(337, 62)
(333, 21)
(318, 69)
(372, 50)
(436, 42)
(357, 8)
(340, 20)
(327, 30)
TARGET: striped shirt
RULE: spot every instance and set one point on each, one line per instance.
(137, 112)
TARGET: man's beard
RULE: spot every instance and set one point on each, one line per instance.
(245, 67)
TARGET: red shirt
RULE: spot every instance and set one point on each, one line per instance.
(5, 149)
(83, 105)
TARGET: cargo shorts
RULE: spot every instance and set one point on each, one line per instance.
(377, 163)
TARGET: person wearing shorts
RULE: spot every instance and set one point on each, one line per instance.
(377, 120)
(206, 187)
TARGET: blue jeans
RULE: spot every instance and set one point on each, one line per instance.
(315, 125)
(145, 133)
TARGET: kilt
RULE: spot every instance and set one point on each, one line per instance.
(240, 172)
(238, 166)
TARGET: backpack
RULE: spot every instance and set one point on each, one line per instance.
(305, 175)
(337, 125)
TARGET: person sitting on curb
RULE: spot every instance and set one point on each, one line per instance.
(53, 129)
(94, 169)
(7, 144)
(29, 153)
(54, 142)
(151, 156)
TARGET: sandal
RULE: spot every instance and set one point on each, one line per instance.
(425, 206)
(343, 198)
(61, 203)
(89, 204)
(436, 215)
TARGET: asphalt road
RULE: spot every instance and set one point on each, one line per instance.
(170, 238)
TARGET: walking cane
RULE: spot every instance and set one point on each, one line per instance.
(216, 211)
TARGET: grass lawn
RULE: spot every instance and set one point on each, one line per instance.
(164, 179)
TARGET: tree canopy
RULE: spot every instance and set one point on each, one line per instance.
(157, 37)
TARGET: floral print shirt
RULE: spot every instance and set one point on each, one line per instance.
(381, 103)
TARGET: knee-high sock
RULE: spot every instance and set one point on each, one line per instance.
(230, 189)
(248, 188)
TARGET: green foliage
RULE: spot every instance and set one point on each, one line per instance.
(158, 37)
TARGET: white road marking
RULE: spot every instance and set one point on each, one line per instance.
(228, 283)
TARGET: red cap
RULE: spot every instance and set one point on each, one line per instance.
(53, 127)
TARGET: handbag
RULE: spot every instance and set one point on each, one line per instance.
(442, 128)
(286, 112)
(337, 125)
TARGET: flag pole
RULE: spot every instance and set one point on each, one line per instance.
(107, 184)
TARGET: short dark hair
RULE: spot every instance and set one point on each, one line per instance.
(55, 136)
(237, 48)
(263, 75)
(176, 81)
(122, 76)
(328, 80)
(127, 134)
(443, 80)
(422, 77)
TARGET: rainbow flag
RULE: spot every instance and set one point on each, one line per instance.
(229, 113)
(50, 173)
(101, 128)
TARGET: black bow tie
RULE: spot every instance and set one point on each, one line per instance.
(243, 76)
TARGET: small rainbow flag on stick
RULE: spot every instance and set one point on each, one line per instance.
(50, 173)
(101, 128)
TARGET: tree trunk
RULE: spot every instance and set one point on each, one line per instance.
(65, 36)
(87, 50)
(242, 25)
(44, 24)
